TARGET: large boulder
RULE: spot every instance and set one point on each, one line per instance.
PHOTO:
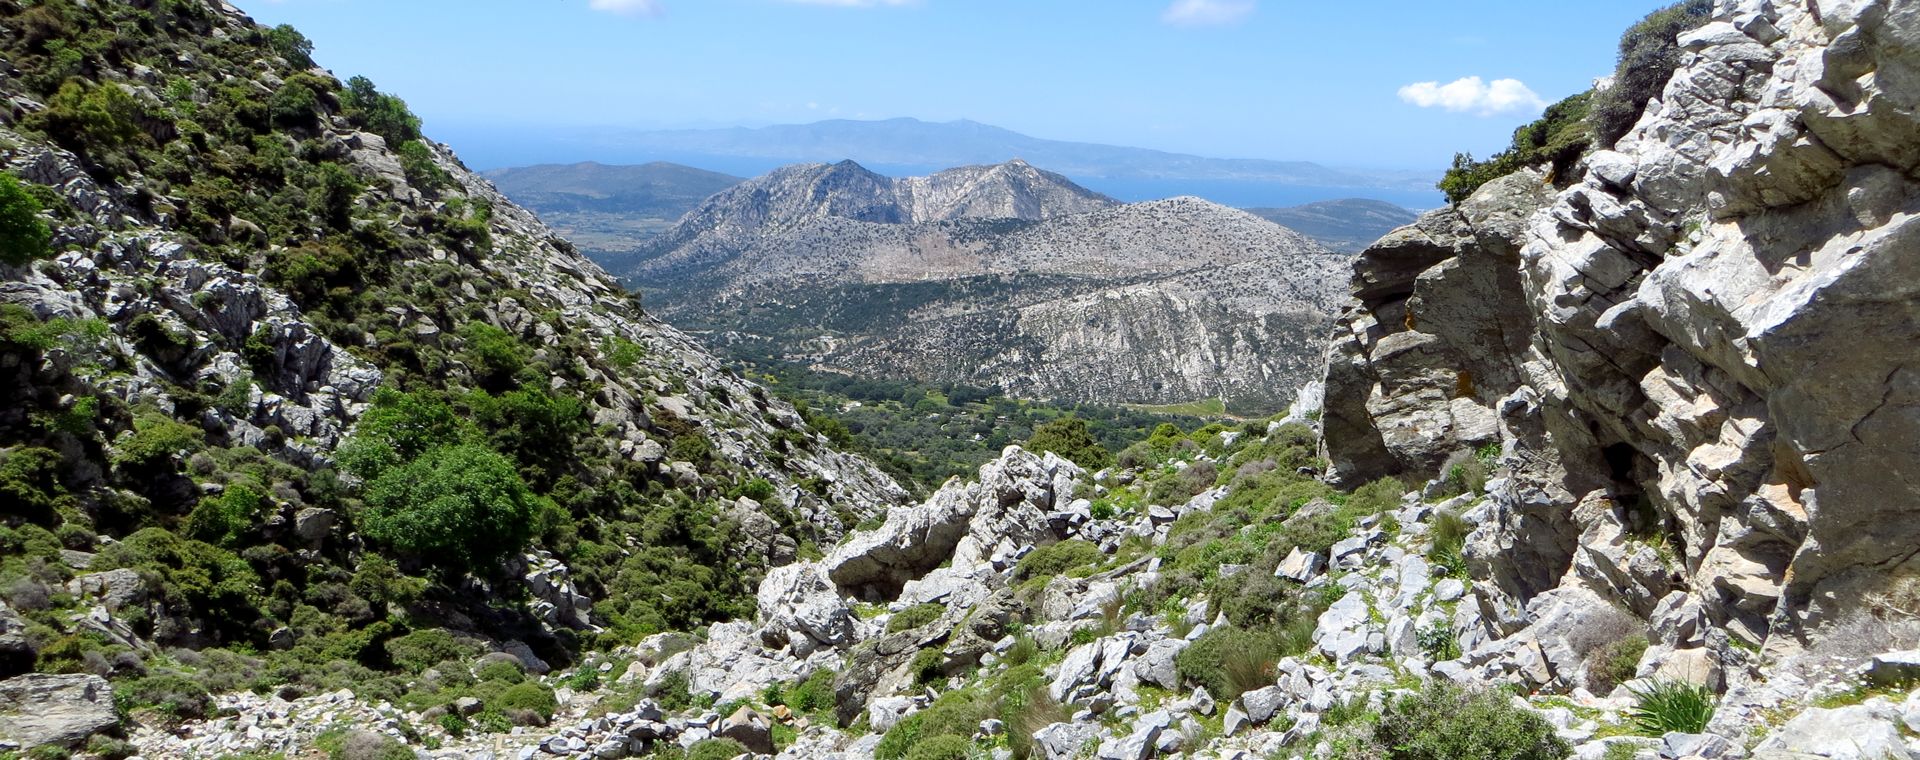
(800, 608)
(17, 652)
(40, 709)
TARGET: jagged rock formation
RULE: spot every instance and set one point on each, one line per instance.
(1697, 359)
(1000, 276)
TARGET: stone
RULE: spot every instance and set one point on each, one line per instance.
(40, 709)
(1299, 566)
(314, 524)
(17, 652)
(1063, 741)
(116, 589)
(1894, 668)
(1157, 666)
(1846, 733)
(1203, 702)
(750, 729)
(1235, 720)
(799, 600)
(884, 712)
(1708, 746)
(1263, 703)
(1449, 590)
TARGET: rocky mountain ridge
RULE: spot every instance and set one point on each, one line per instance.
(1076, 298)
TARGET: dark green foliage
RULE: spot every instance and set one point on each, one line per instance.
(528, 695)
(155, 439)
(1664, 706)
(1071, 438)
(814, 695)
(401, 427)
(30, 484)
(381, 114)
(956, 713)
(534, 427)
(944, 747)
(1439, 641)
(416, 159)
(424, 649)
(91, 120)
(459, 508)
(1557, 139)
(494, 354)
(1230, 660)
(206, 581)
(914, 617)
(717, 749)
(24, 236)
(174, 695)
(1055, 559)
(1445, 722)
(1649, 54)
(291, 45)
(223, 519)
(928, 665)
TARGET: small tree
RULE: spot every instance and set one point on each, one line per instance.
(1649, 54)
(23, 236)
(1071, 438)
(458, 508)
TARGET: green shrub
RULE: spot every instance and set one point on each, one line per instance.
(174, 695)
(90, 120)
(955, 713)
(1664, 706)
(24, 236)
(400, 427)
(1445, 722)
(460, 508)
(928, 665)
(422, 649)
(528, 695)
(290, 44)
(224, 519)
(814, 695)
(1559, 138)
(1071, 438)
(717, 749)
(494, 354)
(947, 747)
(1056, 559)
(381, 114)
(1440, 641)
(156, 438)
(1230, 661)
(914, 617)
(203, 579)
(1649, 54)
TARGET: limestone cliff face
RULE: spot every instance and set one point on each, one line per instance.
(1708, 340)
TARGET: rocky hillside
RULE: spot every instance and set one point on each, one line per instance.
(1001, 276)
(1695, 359)
(296, 402)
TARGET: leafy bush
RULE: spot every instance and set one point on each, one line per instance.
(1440, 641)
(1071, 438)
(459, 508)
(90, 120)
(1558, 138)
(1649, 54)
(955, 713)
(1663, 706)
(401, 427)
(222, 520)
(1056, 559)
(23, 236)
(424, 649)
(155, 439)
(947, 747)
(717, 749)
(174, 695)
(1445, 722)
(494, 354)
(914, 617)
(381, 114)
(528, 695)
(290, 44)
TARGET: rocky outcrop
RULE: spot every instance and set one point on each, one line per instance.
(41, 710)
(1696, 358)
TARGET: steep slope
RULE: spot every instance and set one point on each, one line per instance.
(1344, 225)
(288, 383)
(1697, 360)
(1022, 288)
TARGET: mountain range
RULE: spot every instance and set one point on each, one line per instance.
(1001, 275)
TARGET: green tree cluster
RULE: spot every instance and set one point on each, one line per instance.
(24, 236)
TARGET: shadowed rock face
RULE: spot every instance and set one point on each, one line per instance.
(1706, 338)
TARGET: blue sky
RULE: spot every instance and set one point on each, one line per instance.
(1335, 82)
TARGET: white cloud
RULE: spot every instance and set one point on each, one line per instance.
(627, 7)
(1471, 95)
(1207, 12)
